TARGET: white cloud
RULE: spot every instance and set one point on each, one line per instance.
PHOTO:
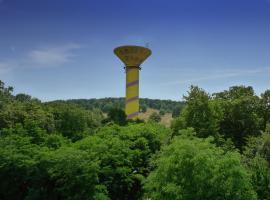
(220, 75)
(53, 56)
(40, 58)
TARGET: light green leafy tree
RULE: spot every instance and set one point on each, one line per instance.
(192, 168)
(256, 156)
(200, 113)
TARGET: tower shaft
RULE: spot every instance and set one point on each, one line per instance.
(132, 92)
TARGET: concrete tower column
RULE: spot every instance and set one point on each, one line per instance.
(132, 92)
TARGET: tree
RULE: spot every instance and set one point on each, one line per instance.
(162, 112)
(73, 121)
(143, 108)
(27, 114)
(71, 174)
(17, 164)
(257, 159)
(5, 92)
(177, 110)
(23, 97)
(265, 109)
(5, 97)
(117, 116)
(155, 117)
(258, 146)
(235, 92)
(31, 171)
(200, 113)
(260, 176)
(241, 119)
(192, 168)
(124, 153)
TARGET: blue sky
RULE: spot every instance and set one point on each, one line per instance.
(63, 49)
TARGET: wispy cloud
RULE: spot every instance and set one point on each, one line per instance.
(220, 75)
(53, 56)
(41, 57)
(4, 68)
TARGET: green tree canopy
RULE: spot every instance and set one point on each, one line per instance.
(192, 168)
(200, 113)
(117, 116)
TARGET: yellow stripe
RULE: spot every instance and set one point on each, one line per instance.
(132, 107)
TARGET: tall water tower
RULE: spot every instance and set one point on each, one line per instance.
(132, 57)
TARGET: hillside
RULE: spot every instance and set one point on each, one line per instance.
(105, 104)
(166, 118)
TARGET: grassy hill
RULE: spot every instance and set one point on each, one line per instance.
(165, 119)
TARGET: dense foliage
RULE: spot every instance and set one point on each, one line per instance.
(218, 147)
(235, 114)
(193, 168)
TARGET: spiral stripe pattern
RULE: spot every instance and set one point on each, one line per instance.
(132, 92)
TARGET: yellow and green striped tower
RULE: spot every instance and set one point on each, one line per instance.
(132, 57)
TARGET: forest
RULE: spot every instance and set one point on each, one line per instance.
(217, 148)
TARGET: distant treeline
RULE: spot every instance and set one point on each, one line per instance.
(106, 104)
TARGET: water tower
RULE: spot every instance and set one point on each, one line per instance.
(132, 57)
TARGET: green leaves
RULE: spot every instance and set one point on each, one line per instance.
(235, 114)
(34, 172)
(196, 169)
(124, 154)
(74, 122)
(113, 163)
(60, 150)
(200, 113)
